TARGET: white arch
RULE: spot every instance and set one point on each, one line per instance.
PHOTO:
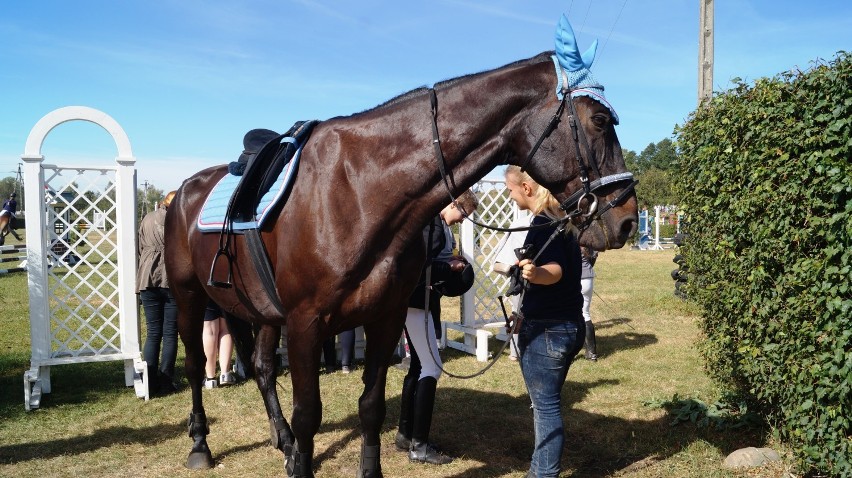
(71, 113)
(126, 348)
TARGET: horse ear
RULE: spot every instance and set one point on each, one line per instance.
(567, 51)
(589, 55)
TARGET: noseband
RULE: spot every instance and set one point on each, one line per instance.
(573, 205)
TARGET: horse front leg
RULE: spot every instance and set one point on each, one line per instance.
(303, 350)
(190, 327)
(265, 372)
(382, 338)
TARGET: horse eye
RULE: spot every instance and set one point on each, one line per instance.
(600, 120)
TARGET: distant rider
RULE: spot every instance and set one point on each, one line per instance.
(10, 206)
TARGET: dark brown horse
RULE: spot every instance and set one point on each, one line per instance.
(347, 247)
(6, 227)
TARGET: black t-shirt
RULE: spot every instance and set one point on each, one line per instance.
(562, 300)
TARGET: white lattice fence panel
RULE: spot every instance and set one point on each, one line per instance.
(83, 281)
(496, 209)
(480, 305)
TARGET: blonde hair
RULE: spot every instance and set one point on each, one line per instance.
(168, 199)
(543, 200)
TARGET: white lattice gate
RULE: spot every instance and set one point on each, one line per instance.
(81, 278)
(481, 315)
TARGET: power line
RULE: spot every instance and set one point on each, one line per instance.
(583, 26)
(612, 28)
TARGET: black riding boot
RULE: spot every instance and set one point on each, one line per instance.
(591, 344)
(406, 413)
(421, 450)
(153, 381)
(167, 385)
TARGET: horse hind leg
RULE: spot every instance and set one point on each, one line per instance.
(191, 305)
(281, 435)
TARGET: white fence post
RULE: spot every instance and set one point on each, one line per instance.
(125, 195)
(37, 379)
(482, 316)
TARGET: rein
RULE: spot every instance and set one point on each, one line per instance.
(575, 200)
(449, 181)
(428, 288)
(572, 202)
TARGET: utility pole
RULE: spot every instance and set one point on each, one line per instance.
(19, 187)
(145, 199)
(705, 50)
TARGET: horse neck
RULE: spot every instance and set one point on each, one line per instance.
(386, 161)
(479, 120)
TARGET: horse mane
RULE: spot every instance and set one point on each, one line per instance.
(422, 90)
(528, 61)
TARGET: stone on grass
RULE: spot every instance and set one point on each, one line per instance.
(750, 457)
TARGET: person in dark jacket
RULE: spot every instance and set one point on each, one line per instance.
(418, 388)
(10, 207)
(158, 302)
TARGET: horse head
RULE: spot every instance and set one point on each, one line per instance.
(570, 146)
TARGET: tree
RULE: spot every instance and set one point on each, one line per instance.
(631, 160)
(655, 189)
(662, 156)
(8, 186)
(655, 167)
(147, 199)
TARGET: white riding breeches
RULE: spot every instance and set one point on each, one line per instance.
(421, 331)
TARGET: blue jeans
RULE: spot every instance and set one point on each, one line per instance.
(547, 349)
(347, 347)
(161, 321)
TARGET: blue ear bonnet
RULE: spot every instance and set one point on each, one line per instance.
(575, 67)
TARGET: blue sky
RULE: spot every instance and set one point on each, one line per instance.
(187, 78)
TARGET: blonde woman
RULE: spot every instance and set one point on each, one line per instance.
(553, 328)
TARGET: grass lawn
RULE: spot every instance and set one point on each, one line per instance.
(92, 426)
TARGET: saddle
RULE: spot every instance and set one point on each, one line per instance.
(264, 156)
(265, 153)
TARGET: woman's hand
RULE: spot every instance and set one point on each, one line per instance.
(546, 274)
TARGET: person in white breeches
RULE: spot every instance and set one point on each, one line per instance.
(587, 285)
(417, 400)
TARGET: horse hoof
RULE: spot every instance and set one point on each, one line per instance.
(199, 461)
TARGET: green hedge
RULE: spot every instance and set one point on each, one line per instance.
(767, 187)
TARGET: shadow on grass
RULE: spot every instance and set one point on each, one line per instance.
(496, 430)
(492, 430)
(70, 384)
(104, 437)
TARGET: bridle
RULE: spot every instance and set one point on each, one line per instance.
(573, 204)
